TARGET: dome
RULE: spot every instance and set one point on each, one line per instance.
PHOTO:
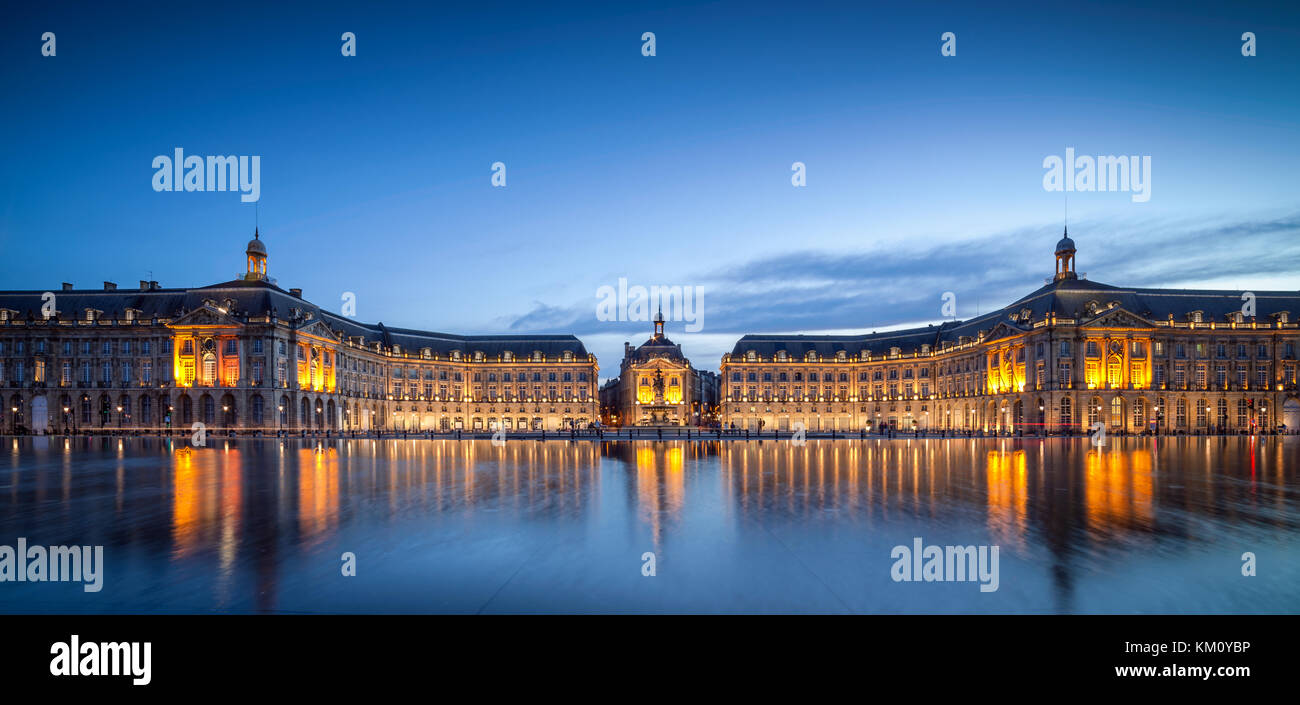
(255, 246)
(1065, 244)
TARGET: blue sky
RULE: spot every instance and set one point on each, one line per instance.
(924, 172)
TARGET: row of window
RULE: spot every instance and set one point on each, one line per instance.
(86, 347)
(412, 391)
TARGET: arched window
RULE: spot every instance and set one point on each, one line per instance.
(209, 368)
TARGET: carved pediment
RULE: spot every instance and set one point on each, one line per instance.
(318, 328)
(205, 316)
(1003, 330)
(1119, 318)
(661, 363)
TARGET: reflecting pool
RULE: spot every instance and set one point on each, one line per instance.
(1140, 525)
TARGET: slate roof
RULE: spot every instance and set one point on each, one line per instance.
(257, 298)
(1067, 298)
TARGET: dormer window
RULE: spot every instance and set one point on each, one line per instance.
(537, 356)
(1196, 317)
(781, 355)
(455, 356)
(841, 356)
(811, 356)
(751, 355)
(90, 315)
(507, 356)
(478, 356)
(568, 356)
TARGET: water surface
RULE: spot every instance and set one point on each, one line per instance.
(1142, 525)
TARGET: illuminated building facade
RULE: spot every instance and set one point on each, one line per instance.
(248, 355)
(657, 386)
(1066, 357)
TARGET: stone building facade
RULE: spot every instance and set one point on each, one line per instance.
(247, 355)
(657, 386)
(1071, 355)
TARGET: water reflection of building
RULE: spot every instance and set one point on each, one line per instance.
(246, 354)
(657, 386)
(1067, 497)
(1070, 355)
(657, 493)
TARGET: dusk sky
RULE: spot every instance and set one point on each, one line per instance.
(924, 172)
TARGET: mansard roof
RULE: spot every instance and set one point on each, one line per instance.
(1078, 299)
(259, 298)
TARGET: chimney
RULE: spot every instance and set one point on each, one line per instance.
(67, 286)
(153, 286)
(144, 285)
(296, 293)
(110, 286)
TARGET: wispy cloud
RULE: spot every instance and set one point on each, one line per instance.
(814, 291)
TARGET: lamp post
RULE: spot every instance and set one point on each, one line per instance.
(65, 420)
(13, 418)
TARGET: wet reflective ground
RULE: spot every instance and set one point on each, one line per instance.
(444, 526)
